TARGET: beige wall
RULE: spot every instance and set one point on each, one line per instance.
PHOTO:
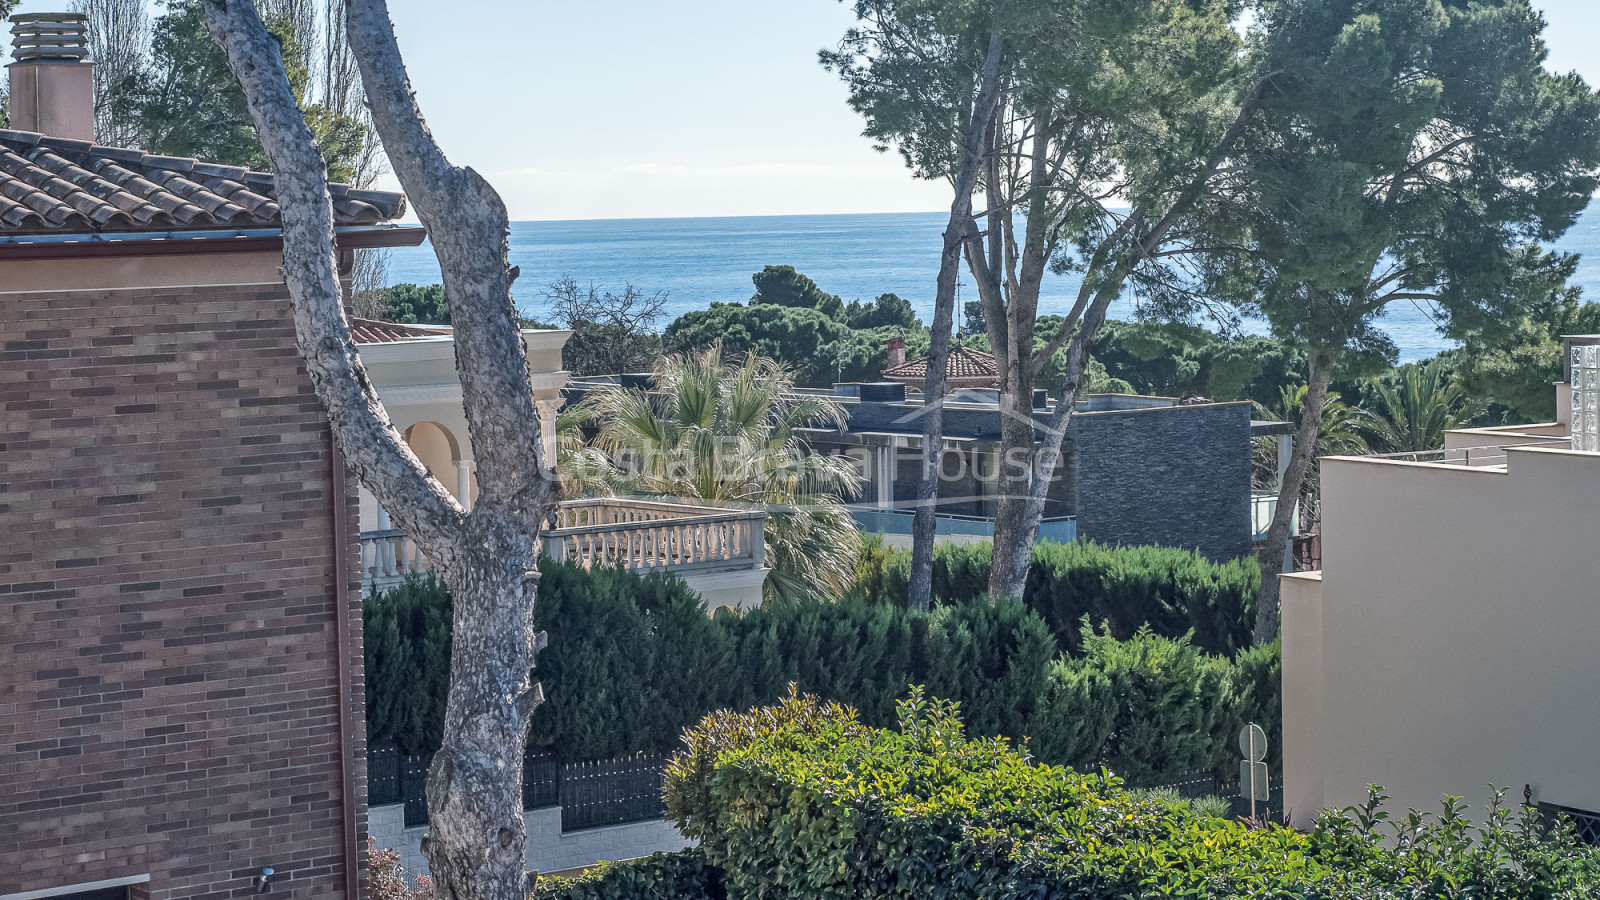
(417, 382)
(1453, 640)
(124, 272)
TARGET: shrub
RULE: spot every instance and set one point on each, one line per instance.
(661, 876)
(387, 879)
(633, 661)
(819, 806)
(1174, 592)
(406, 641)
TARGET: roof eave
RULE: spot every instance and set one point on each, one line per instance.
(183, 243)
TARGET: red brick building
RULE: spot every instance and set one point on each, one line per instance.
(180, 650)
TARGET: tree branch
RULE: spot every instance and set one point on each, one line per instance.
(419, 504)
(468, 226)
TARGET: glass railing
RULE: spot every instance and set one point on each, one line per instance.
(1062, 529)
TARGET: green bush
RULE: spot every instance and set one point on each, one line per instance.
(633, 661)
(661, 876)
(1173, 591)
(808, 806)
(406, 640)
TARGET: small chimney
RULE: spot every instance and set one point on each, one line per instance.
(897, 350)
(52, 81)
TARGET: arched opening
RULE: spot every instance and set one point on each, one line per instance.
(437, 448)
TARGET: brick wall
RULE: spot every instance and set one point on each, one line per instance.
(168, 646)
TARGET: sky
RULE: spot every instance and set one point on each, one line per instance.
(601, 109)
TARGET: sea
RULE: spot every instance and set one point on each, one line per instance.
(698, 261)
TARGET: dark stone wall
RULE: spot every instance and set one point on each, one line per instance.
(1178, 476)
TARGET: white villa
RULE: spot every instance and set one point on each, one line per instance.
(1449, 640)
(719, 552)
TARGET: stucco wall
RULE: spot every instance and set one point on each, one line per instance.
(1459, 609)
(548, 849)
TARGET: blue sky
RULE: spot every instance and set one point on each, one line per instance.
(627, 108)
(585, 109)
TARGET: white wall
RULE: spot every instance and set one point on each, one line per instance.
(548, 849)
(1457, 638)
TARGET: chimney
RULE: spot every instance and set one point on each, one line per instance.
(897, 350)
(52, 80)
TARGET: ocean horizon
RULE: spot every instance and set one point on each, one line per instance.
(699, 261)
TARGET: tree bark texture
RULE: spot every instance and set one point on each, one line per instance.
(1132, 242)
(1294, 479)
(923, 523)
(477, 845)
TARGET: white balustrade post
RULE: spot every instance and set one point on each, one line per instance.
(369, 556)
(384, 547)
(758, 543)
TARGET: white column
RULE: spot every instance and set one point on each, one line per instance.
(885, 477)
(464, 483)
(1286, 450)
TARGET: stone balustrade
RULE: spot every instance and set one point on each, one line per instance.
(637, 535)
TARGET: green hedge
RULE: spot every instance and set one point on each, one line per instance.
(661, 876)
(1175, 592)
(633, 661)
(805, 802)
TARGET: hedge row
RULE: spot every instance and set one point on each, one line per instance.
(804, 801)
(1174, 592)
(633, 661)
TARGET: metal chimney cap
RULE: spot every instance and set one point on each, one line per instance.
(46, 37)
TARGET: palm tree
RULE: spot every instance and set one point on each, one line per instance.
(728, 433)
(1337, 435)
(1412, 412)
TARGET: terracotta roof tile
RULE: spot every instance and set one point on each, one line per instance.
(964, 368)
(372, 331)
(57, 185)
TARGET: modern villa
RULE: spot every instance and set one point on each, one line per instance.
(1448, 641)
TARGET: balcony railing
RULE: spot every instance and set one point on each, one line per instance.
(645, 536)
(1062, 529)
(637, 535)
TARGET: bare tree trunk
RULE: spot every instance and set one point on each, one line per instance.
(1110, 266)
(1014, 535)
(119, 40)
(1294, 479)
(477, 846)
(923, 524)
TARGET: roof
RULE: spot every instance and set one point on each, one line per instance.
(964, 367)
(52, 185)
(372, 331)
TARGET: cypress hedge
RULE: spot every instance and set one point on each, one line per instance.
(1174, 592)
(634, 661)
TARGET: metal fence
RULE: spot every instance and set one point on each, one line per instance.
(611, 791)
(591, 794)
(597, 793)
(1194, 785)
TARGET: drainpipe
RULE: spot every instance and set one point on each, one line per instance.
(343, 565)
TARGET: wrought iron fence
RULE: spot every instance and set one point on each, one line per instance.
(591, 794)
(611, 792)
(1585, 824)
